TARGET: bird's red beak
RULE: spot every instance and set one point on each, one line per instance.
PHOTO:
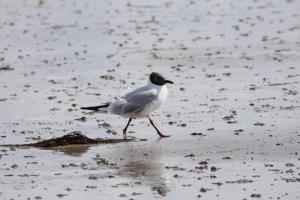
(168, 81)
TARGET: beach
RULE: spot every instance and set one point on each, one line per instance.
(233, 111)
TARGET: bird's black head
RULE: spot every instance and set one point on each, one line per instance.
(158, 79)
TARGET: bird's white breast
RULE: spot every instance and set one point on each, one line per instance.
(163, 94)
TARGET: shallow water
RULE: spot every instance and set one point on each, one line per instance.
(235, 65)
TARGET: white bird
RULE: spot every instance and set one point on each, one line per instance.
(140, 102)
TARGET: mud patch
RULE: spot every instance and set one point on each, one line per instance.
(73, 138)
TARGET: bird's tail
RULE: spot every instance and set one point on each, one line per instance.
(95, 108)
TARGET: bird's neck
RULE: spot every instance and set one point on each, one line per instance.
(158, 87)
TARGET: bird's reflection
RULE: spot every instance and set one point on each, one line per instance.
(142, 164)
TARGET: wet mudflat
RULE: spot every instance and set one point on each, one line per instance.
(233, 113)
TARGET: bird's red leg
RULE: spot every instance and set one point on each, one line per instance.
(125, 129)
(158, 132)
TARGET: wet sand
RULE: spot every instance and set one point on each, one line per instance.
(233, 113)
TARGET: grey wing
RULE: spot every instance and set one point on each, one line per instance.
(136, 101)
(135, 92)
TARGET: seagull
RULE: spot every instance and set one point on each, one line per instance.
(140, 102)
